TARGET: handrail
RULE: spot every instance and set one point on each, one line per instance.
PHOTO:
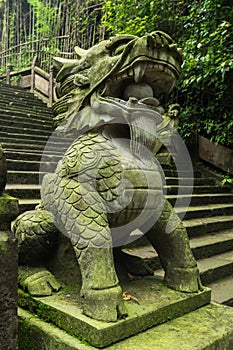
(38, 77)
(32, 78)
(219, 156)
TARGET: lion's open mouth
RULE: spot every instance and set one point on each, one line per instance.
(130, 94)
(141, 82)
(160, 75)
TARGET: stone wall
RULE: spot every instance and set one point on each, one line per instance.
(8, 267)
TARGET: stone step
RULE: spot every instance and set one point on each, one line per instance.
(207, 328)
(202, 247)
(11, 129)
(204, 211)
(27, 106)
(31, 162)
(28, 204)
(165, 159)
(15, 95)
(216, 267)
(34, 145)
(42, 332)
(16, 121)
(17, 91)
(24, 113)
(222, 291)
(38, 111)
(12, 146)
(19, 101)
(32, 155)
(182, 173)
(199, 199)
(206, 181)
(44, 134)
(23, 155)
(24, 177)
(22, 97)
(173, 189)
(7, 112)
(24, 191)
(35, 164)
(29, 165)
(211, 244)
(54, 148)
(5, 136)
(212, 268)
(200, 226)
(215, 210)
(24, 137)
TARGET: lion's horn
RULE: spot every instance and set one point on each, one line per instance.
(79, 51)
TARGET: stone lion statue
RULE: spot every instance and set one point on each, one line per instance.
(109, 182)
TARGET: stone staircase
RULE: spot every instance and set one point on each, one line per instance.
(26, 125)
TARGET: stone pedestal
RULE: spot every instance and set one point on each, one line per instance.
(152, 304)
(159, 318)
(8, 274)
(207, 328)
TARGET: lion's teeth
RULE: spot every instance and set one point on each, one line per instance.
(130, 72)
(138, 72)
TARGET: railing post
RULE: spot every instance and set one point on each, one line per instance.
(33, 74)
(50, 88)
(8, 266)
(8, 76)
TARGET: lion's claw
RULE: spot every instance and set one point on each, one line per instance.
(38, 282)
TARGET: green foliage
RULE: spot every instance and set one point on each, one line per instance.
(227, 180)
(44, 14)
(206, 81)
(140, 17)
(2, 70)
(125, 17)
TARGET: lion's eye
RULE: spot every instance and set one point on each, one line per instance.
(118, 50)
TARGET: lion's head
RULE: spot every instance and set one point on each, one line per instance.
(119, 68)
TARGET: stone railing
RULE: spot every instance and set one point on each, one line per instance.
(32, 78)
(219, 156)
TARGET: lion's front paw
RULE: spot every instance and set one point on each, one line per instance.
(104, 304)
(38, 281)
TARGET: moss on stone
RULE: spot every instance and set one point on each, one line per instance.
(35, 334)
(208, 328)
(158, 304)
(4, 242)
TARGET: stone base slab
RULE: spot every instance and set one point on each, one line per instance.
(208, 328)
(153, 304)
